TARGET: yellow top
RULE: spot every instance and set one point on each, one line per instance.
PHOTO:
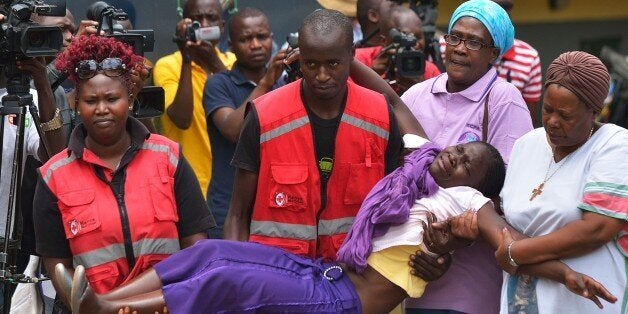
(194, 141)
(392, 263)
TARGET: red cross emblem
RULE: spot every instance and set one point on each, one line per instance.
(75, 227)
(280, 199)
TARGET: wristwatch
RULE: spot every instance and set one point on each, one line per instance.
(53, 124)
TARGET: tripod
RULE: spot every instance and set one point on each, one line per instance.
(15, 104)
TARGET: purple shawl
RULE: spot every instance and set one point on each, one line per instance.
(388, 203)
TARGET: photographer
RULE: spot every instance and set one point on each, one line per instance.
(369, 13)
(226, 95)
(183, 75)
(382, 60)
(96, 14)
(53, 134)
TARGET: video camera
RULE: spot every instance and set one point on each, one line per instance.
(150, 101)
(195, 32)
(109, 19)
(293, 71)
(407, 62)
(21, 38)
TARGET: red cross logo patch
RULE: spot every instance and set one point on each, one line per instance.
(75, 227)
(280, 199)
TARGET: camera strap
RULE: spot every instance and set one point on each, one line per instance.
(485, 119)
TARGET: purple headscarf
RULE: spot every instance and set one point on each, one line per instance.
(388, 203)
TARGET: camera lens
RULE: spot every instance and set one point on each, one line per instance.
(36, 39)
(411, 64)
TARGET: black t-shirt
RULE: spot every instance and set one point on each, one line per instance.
(194, 215)
(247, 154)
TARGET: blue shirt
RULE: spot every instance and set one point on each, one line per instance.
(225, 89)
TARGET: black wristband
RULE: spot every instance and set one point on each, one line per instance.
(186, 58)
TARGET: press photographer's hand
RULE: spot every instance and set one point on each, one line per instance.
(36, 67)
(180, 35)
(382, 62)
(138, 75)
(88, 27)
(205, 55)
(275, 70)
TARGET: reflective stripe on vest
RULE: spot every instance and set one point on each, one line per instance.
(288, 194)
(114, 252)
(335, 226)
(346, 118)
(301, 232)
(283, 129)
(364, 125)
(57, 165)
(162, 149)
(283, 230)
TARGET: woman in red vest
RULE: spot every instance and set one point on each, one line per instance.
(119, 199)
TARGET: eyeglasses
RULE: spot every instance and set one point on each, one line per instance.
(471, 44)
(112, 67)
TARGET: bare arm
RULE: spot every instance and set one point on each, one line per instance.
(228, 120)
(189, 240)
(203, 54)
(577, 238)
(180, 111)
(575, 282)
(534, 113)
(498, 233)
(55, 139)
(238, 221)
(366, 77)
(491, 224)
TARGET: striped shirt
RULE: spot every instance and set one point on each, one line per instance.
(520, 66)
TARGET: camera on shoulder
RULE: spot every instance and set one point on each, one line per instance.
(109, 18)
(20, 37)
(406, 62)
(150, 101)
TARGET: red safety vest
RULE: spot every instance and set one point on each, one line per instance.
(287, 211)
(92, 215)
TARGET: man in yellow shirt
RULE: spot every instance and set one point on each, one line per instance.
(183, 75)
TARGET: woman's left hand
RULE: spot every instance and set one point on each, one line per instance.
(35, 66)
(587, 287)
(502, 256)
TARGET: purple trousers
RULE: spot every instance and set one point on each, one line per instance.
(219, 276)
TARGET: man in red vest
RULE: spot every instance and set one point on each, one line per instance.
(310, 151)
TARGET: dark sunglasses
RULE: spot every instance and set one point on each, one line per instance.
(112, 67)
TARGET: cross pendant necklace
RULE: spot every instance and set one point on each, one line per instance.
(536, 192)
(539, 189)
